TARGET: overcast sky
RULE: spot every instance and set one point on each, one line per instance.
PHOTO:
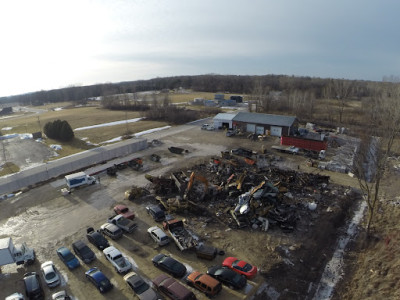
(53, 44)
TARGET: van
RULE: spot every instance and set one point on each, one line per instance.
(205, 283)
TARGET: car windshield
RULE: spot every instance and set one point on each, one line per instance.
(125, 210)
(50, 275)
(141, 288)
(246, 268)
(237, 278)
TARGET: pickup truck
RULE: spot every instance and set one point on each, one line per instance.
(183, 239)
(120, 263)
(290, 149)
(123, 223)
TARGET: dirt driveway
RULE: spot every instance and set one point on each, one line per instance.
(47, 220)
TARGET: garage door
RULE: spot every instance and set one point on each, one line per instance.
(251, 128)
(276, 131)
(260, 130)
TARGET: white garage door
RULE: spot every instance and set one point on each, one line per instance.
(276, 131)
(251, 128)
(260, 130)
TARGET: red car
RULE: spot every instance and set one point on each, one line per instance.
(121, 209)
(240, 266)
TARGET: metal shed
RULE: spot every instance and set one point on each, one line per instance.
(275, 125)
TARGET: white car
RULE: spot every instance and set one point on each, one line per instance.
(50, 274)
(15, 296)
(158, 235)
(61, 295)
(120, 262)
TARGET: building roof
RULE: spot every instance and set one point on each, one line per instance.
(266, 119)
(225, 116)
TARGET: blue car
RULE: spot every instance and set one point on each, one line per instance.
(100, 281)
(68, 258)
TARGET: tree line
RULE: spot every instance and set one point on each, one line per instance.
(240, 84)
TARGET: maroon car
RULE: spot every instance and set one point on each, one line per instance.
(121, 209)
(172, 288)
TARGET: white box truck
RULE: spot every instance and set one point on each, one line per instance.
(78, 179)
(19, 254)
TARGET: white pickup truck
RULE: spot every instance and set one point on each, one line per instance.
(123, 223)
(115, 257)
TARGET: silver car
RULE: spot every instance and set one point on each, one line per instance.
(50, 274)
(158, 235)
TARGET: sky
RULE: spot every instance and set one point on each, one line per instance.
(47, 44)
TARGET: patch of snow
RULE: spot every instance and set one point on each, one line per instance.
(109, 124)
(151, 130)
(334, 269)
(8, 136)
(25, 136)
(56, 147)
(117, 139)
(6, 128)
(57, 108)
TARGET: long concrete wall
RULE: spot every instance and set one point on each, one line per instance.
(70, 164)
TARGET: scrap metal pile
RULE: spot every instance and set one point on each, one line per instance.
(241, 194)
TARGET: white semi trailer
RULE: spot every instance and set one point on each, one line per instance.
(19, 254)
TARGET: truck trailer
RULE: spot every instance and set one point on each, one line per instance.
(78, 179)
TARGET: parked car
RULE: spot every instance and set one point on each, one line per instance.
(111, 230)
(15, 296)
(33, 287)
(68, 258)
(205, 283)
(172, 288)
(97, 239)
(158, 235)
(204, 126)
(50, 274)
(99, 280)
(139, 287)
(156, 212)
(121, 209)
(83, 252)
(241, 267)
(61, 295)
(169, 265)
(115, 257)
(227, 277)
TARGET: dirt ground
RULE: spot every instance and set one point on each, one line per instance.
(290, 263)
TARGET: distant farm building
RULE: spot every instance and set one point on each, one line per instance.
(6, 111)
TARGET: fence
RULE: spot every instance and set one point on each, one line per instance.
(69, 164)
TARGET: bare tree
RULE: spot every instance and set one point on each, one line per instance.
(377, 143)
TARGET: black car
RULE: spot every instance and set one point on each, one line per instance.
(156, 212)
(97, 239)
(33, 288)
(100, 281)
(83, 251)
(169, 265)
(227, 277)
